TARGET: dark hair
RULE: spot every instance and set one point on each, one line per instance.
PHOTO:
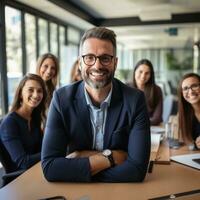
(39, 111)
(100, 33)
(75, 72)
(50, 84)
(185, 110)
(150, 86)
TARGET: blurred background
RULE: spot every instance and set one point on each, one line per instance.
(167, 32)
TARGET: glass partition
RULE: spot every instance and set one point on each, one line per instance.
(54, 39)
(13, 50)
(30, 32)
(43, 36)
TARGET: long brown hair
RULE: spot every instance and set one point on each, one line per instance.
(150, 86)
(39, 112)
(185, 111)
(52, 83)
(75, 72)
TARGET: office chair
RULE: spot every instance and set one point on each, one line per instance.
(170, 106)
(10, 172)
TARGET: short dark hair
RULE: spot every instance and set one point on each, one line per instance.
(100, 33)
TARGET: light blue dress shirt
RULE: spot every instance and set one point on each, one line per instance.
(98, 119)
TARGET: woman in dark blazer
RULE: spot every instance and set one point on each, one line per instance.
(21, 130)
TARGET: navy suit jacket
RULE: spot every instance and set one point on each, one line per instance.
(69, 129)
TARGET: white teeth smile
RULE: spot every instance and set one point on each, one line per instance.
(97, 74)
(34, 101)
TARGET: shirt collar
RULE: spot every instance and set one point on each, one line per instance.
(106, 101)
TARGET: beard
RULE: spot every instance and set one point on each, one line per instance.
(98, 84)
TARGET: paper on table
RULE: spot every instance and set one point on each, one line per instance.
(187, 159)
(157, 129)
(155, 142)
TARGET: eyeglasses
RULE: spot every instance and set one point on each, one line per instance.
(91, 59)
(193, 87)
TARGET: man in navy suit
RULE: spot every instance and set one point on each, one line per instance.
(97, 129)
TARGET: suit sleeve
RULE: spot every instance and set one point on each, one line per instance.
(56, 167)
(135, 167)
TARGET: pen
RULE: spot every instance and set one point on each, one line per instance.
(174, 196)
(150, 169)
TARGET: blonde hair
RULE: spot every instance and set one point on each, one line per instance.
(75, 72)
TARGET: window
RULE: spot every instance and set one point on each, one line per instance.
(73, 35)
(54, 39)
(68, 54)
(43, 36)
(13, 50)
(30, 42)
(62, 55)
(71, 54)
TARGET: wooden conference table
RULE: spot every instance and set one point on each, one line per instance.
(164, 180)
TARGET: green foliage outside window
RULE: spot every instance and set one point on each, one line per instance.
(177, 62)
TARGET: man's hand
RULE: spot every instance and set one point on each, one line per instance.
(119, 156)
(197, 142)
(97, 161)
(81, 154)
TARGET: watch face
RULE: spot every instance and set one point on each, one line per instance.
(107, 152)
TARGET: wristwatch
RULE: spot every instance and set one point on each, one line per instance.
(108, 154)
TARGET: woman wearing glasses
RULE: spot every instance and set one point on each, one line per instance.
(189, 108)
(143, 79)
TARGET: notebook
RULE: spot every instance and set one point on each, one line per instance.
(155, 142)
(188, 159)
(157, 129)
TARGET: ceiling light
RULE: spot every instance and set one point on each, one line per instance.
(155, 16)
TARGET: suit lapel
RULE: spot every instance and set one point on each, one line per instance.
(113, 114)
(83, 114)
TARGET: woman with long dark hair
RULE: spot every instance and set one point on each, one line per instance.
(189, 108)
(143, 79)
(21, 130)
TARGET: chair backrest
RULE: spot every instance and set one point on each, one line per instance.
(170, 107)
(5, 158)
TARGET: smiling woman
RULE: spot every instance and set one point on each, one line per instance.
(144, 79)
(21, 130)
(189, 108)
(48, 69)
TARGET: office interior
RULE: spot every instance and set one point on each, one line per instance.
(165, 32)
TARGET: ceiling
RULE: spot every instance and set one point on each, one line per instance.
(137, 23)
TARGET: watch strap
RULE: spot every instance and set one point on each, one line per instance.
(111, 160)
